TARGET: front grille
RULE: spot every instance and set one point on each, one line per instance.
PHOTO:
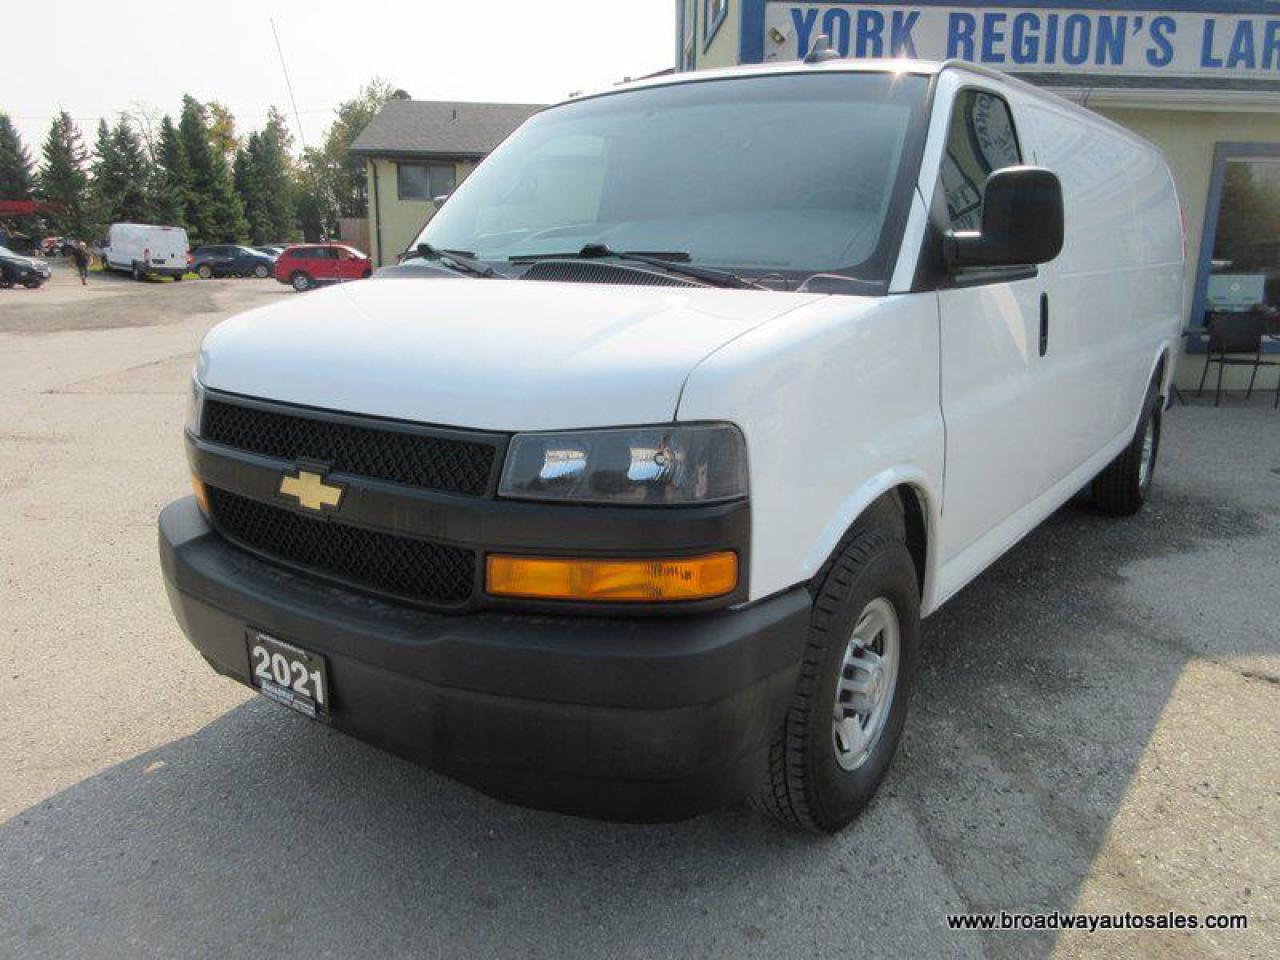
(429, 573)
(419, 460)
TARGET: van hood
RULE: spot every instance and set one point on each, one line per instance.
(484, 354)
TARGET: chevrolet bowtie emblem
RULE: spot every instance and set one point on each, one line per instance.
(311, 491)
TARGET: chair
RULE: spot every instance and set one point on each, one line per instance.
(1235, 340)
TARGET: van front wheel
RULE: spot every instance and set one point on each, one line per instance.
(850, 703)
(1121, 489)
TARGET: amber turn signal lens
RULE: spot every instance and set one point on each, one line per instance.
(644, 581)
(202, 494)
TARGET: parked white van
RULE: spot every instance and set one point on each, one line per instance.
(625, 493)
(144, 249)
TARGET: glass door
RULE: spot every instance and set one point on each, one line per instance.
(1239, 269)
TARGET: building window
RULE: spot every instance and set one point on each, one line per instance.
(417, 181)
(713, 14)
(688, 34)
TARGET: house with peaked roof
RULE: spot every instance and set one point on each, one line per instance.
(418, 150)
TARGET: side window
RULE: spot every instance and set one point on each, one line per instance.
(981, 140)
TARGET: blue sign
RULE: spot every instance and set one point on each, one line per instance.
(1119, 40)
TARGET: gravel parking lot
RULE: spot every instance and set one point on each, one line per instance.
(1097, 727)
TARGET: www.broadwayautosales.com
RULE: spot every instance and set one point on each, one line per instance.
(1096, 922)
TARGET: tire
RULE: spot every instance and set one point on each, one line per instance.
(204, 272)
(301, 281)
(137, 273)
(261, 271)
(177, 278)
(813, 780)
(32, 283)
(1122, 488)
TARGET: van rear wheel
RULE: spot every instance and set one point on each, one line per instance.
(850, 703)
(1121, 489)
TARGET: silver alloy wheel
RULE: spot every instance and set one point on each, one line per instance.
(867, 684)
(1146, 465)
(301, 282)
(260, 271)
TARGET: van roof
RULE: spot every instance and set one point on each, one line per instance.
(926, 68)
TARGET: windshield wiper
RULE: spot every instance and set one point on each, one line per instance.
(672, 262)
(460, 261)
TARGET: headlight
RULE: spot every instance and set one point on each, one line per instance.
(195, 404)
(644, 466)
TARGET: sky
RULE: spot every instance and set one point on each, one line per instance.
(99, 59)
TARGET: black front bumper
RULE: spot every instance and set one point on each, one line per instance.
(630, 719)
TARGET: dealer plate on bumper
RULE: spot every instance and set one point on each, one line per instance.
(288, 674)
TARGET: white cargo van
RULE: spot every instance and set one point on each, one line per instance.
(625, 493)
(144, 250)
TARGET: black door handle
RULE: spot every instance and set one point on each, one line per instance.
(1044, 323)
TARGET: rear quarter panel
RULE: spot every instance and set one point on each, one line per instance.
(1120, 275)
(838, 402)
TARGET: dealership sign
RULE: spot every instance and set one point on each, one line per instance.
(1117, 40)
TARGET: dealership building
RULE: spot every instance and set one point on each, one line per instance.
(1199, 78)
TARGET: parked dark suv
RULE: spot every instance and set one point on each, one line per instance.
(231, 260)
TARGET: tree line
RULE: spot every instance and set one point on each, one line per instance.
(198, 172)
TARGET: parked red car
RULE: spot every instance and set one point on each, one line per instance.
(305, 265)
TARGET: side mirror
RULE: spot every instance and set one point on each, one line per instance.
(438, 202)
(1021, 222)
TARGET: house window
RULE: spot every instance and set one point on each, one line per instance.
(418, 181)
(713, 14)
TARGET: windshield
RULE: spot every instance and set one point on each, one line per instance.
(789, 174)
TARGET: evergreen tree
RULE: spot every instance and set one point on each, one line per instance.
(106, 175)
(62, 181)
(273, 166)
(15, 163)
(214, 212)
(134, 200)
(171, 182)
(250, 188)
(120, 176)
(313, 189)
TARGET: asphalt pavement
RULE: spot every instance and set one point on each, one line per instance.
(1096, 728)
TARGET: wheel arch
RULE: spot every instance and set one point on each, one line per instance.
(1162, 369)
(902, 499)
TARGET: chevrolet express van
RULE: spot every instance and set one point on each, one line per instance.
(624, 494)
